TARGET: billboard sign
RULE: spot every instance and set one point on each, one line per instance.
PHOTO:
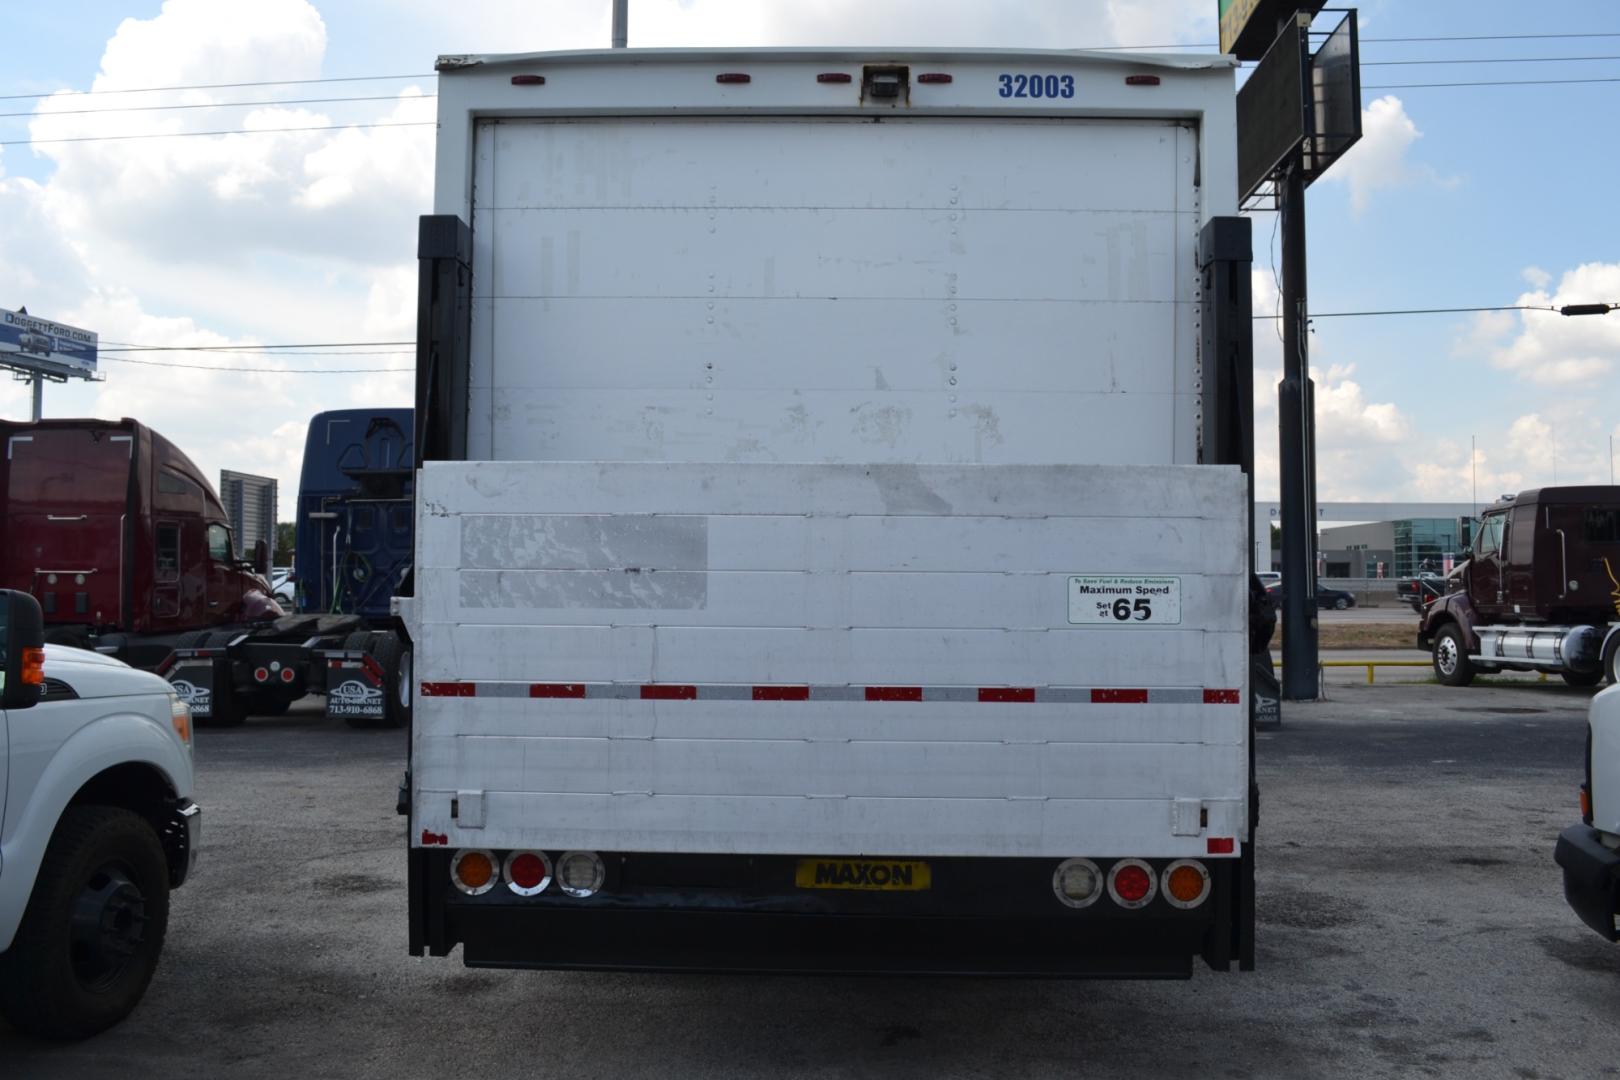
(1271, 110)
(41, 345)
(1248, 27)
(1336, 98)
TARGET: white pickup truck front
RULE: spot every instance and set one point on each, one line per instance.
(97, 825)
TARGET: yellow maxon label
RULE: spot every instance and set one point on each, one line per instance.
(877, 875)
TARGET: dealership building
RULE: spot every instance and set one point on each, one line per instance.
(1380, 540)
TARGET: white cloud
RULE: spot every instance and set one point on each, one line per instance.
(1380, 160)
(1536, 449)
(210, 240)
(1056, 24)
(1360, 444)
(1549, 348)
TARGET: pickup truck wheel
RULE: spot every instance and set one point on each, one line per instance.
(91, 935)
(1340, 603)
(1583, 678)
(1451, 664)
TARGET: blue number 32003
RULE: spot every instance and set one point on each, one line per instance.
(1037, 86)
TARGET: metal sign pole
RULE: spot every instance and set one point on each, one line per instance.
(1296, 415)
(39, 396)
(621, 20)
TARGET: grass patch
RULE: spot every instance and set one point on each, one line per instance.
(1361, 635)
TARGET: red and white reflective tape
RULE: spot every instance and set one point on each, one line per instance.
(999, 695)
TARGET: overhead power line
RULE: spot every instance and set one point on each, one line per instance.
(1493, 60)
(1422, 311)
(1378, 40)
(259, 370)
(129, 346)
(1574, 36)
(1504, 82)
(229, 131)
(219, 86)
(219, 105)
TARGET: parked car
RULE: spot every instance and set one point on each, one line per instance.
(1336, 599)
(1588, 852)
(95, 789)
(283, 583)
(1421, 590)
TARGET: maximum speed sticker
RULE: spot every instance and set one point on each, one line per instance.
(1124, 601)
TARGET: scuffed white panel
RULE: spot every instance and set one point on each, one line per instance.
(872, 767)
(840, 576)
(820, 721)
(447, 490)
(971, 290)
(766, 825)
(603, 652)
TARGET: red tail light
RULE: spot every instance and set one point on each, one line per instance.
(1132, 883)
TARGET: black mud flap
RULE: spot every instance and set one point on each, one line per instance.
(354, 686)
(194, 673)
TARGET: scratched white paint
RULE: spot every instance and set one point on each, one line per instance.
(765, 392)
(831, 290)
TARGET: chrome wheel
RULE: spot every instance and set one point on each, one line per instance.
(1445, 655)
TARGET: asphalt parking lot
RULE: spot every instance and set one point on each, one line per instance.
(1411, 924)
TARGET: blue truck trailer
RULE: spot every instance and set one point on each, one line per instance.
(353, 545)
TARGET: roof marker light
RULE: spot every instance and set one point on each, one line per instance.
(528, 80)
(733, 77)
(935, 78)
(835, 77)
(1141, 80)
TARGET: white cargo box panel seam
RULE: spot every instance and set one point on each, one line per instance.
(783, 399)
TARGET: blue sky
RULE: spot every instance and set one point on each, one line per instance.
(1457, 197)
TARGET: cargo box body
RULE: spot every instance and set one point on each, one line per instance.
(828, 481)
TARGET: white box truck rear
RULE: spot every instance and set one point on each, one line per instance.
(832, 515)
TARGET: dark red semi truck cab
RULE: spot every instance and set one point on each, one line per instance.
(1540, 591)
(116, 533)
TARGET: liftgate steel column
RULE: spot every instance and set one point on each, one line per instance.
(1227, 348)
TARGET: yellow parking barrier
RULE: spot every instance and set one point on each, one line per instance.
(1371, 664)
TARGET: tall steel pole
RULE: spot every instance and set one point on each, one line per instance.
(1296, 414)
(621, 24)
(39, 396)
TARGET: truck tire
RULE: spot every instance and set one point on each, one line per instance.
(1451, 664)
(91, 935)
(1340, 604)
(1583, 678)
(395, 660)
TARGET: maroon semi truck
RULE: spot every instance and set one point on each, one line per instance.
(1540, 591)
(118, 536)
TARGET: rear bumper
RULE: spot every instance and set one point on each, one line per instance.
(1016, 930)
(1591, 877)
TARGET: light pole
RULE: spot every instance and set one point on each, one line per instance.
(1586, 309)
